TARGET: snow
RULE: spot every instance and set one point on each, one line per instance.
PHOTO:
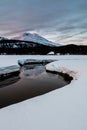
(62, 109)
(51, 53)
(9, 60)
(35, 38)
(3, 38)
(9, 70)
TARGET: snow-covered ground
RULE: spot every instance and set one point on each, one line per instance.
(8, 60)
(62, 109)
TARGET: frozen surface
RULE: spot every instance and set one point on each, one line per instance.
(8, 60)
(62, 109)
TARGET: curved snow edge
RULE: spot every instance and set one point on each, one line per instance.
(63, 70)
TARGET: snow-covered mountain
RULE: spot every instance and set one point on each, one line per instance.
(3, 38)
(33, 37)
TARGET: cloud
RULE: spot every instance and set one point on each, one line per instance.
(60, 20)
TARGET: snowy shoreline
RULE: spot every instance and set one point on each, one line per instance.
(61, 67)
(66, 76)
(63, 109)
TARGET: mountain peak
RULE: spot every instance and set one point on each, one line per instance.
(34, 37)
(30, 34)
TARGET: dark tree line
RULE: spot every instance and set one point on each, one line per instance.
(22, 47)
(25, 47)
(71, 49)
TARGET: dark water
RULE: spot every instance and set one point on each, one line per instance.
(34, 81)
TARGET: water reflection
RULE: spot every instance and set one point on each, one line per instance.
(9, 81)
(34, 81)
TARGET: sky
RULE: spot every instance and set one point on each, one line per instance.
(61, 21)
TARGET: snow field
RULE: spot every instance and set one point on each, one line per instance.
(61, 109)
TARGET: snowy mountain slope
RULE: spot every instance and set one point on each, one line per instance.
(3, 38)
(35, 38)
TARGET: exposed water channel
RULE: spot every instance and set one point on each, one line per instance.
(33, 81)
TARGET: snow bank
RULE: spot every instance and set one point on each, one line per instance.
(61, 66)
(62, 109)
(9, 71)
(9, 60)
(34, 61)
